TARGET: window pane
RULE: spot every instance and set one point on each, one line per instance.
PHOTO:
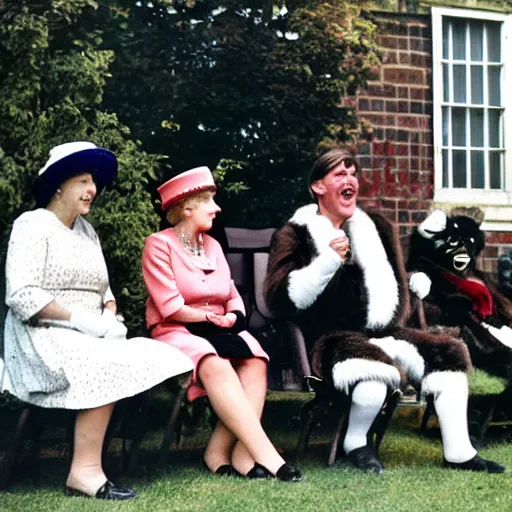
(459, 84)
(477, 169)
(494, 128)
(477, 85)
(459, 39)
(445, 168)
(458, 126)
(494, 169)
(476, 35)
(446, 125)
(445, 37)
(493, 41)
(459, 169)
(494, 85)
(477, 127)
(446, 83)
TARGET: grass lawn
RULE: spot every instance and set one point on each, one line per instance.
(413, 479)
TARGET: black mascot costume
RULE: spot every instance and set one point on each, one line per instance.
(445, 248)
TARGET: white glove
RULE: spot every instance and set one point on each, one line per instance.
(420, 284)
(503, 334)
(116, 329)
(88, 323)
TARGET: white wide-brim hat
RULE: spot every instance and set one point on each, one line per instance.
(68, 160)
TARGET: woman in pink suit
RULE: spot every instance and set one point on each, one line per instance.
(194, 306)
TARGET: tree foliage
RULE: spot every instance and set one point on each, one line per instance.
(249, 88)
(259, 84)
(52, 76)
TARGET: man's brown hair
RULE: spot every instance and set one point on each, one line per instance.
(327, 161)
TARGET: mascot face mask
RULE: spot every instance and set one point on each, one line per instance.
(451, 242)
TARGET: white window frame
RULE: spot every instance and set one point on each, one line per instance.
(496, 204)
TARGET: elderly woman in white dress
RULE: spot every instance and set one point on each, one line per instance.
(64, 346)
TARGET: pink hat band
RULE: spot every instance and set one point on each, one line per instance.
(184, 185)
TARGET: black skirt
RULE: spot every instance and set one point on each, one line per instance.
(226, 342)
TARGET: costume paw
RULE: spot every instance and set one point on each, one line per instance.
(503, 334)
(420, 284)
(433, 224)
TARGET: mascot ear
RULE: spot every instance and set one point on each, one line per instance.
(473, 212)
(433, 224)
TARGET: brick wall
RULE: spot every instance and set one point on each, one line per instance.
(398, 167)
(497, 244)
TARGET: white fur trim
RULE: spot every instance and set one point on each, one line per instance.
(404, 354)
(320, 227)
(306, 284)
(434, 223)
(379, 278)
(420, 284)
(367, 251)
(350, 372)
(436, 382)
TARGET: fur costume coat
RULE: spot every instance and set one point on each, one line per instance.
(353, 312)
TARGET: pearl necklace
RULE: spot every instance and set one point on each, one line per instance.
(193, 247)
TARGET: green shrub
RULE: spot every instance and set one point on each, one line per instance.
(52, 75)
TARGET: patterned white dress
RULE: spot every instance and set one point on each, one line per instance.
(58, 367)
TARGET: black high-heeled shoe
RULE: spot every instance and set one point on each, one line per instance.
(286, 473)
(222, 470)
(289, 473)
(106, 492)
(258, 472)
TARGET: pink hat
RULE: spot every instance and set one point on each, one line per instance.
(184, 185)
